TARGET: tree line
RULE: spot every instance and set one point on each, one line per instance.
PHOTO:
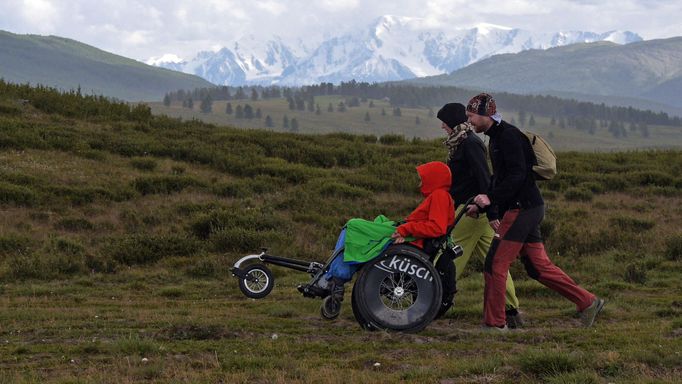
(413, 96)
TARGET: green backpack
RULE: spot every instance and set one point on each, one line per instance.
(545, 158)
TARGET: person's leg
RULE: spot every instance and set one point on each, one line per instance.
(466, 234)
(481, 250)
(540, 267)
(503, 251)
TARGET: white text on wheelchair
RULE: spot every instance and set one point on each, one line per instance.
(398, 264)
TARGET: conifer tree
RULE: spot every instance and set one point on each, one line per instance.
(239, 112)
(294, 125)
(206, 105)
(367, 118)
(167, 100)
(228, 108)
(268, 122)
(285, 122)
(248, 112)
(254, 94)
(240, 94)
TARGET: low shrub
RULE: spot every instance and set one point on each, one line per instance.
(232, 189)
(74, 224)
(673, 249)
(220, 220)
(578, 194)
(164, 184)
(17, 195)
(204, 267)
(329, 189)
(15, 244)
(143, 164)
(146, 249)
(242, 240)
(172, 292)
(631, 224)
(653, 178)
(392, 139)
(635, 273)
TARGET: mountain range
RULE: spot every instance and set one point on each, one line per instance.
(68, 64)
(391, 48)
(648, 70)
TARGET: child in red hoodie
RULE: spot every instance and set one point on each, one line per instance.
(430, 219)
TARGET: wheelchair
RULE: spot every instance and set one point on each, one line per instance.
(403, 289)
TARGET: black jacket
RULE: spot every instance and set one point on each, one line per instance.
(469, 168)
(513, 182)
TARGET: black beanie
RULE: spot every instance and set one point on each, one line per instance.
(452, 114)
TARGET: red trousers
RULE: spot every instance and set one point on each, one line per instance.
(519, 235)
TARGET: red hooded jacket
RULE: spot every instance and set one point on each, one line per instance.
(437, 212)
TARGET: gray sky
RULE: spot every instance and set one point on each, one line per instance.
(141, 29)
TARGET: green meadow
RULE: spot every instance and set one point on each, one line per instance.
(119, 227)
(414, 122)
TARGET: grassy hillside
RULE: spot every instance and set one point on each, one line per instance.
(68, 64)
(649, 70)
(118, 230)
(353, 120)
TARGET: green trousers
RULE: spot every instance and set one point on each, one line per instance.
(475, 236)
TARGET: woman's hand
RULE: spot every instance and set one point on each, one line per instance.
(482, 200)
(397, 238)
(495, 224)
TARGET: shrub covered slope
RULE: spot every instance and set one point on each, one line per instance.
(118, 229)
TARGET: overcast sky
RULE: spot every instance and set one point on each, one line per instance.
(141, 29)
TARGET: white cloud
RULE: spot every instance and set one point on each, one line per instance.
(273, 7)
(338, 5)
(40, 14)
(146, 28)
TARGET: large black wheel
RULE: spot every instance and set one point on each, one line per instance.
(398, 291)
(257, 282)
(359, 316)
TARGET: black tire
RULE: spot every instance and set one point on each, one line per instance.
(398, 291)
(258, 281)
(330, 308)
(359, 316)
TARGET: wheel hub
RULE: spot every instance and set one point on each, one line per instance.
(398, 292)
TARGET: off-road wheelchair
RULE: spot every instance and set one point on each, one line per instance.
(403, 289)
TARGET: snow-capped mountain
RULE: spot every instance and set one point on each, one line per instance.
(391, 48)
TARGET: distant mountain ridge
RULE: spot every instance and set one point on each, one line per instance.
(648, 70)
(391, 48)
(67, 64)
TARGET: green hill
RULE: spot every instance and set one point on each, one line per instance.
(68, 64)
(119, 228)
(649, 70)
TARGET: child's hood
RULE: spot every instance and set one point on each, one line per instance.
(434, 175)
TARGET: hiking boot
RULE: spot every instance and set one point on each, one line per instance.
(337, 288)
(320, 289)
(494, 329)
(514, 319)
(589, 314)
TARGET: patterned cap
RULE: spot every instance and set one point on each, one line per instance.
(482, 104)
